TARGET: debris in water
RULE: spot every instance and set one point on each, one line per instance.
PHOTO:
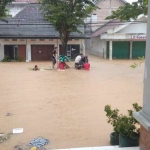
(33, 148)
(8, 114)
(18, 130)
(39, 142)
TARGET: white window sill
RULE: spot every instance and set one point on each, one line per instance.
(143, 118)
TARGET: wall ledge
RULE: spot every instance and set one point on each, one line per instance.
(143, 118)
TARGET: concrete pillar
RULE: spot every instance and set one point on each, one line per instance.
(110, 50)
(105, 49)
(144, 116)
(28, 52)
(83, 48)
(130, 49)
(1, 51)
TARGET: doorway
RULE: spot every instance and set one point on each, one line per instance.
(15, 51)
(11, 51)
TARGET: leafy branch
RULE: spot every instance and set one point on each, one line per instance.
(130, 11)
(134, 65)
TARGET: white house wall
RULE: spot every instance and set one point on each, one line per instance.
(135, 28)
(30, 42)
(98, 47)
(115, 36)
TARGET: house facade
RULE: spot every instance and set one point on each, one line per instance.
(106, 7)
(28, 36)
(97, 18)
(120, 40)
(37, 49)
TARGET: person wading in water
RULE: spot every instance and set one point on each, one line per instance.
(54, 57)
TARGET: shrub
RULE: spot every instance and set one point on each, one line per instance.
(6, 59)
(19, 59)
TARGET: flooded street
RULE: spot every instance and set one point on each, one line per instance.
(66, 107)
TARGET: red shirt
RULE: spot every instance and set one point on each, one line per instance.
(86, 66)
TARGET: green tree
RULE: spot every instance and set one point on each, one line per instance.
(3, 8)
(67, 15)
(130, 11)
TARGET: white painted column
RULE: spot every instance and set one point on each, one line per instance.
(1, 51)
(83, 48)
(144, 116)
(105, 49)
(57, 45)
(131, 49)
(28, 52)
(110, 50)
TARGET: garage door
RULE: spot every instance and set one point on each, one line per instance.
(138, 49)
(41, 52)
(121, 50)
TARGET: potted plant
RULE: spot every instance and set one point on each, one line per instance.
(128, 128)
(112, 116)
(125, 126)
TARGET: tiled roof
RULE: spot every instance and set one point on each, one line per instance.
(96, 1)
(105, 27)
(30, 14)
(29, 23)
(27, 1)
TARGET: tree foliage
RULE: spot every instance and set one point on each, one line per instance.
(3, 9)
(67, 15)
(130, 11)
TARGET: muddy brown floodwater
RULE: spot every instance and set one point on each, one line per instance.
(66, 107)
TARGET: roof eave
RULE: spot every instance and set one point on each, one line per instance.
(18, 3)
(121, 0)
(41, 37)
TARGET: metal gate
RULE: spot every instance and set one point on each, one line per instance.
(138, 49)
(41, 52)
(120, 50)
